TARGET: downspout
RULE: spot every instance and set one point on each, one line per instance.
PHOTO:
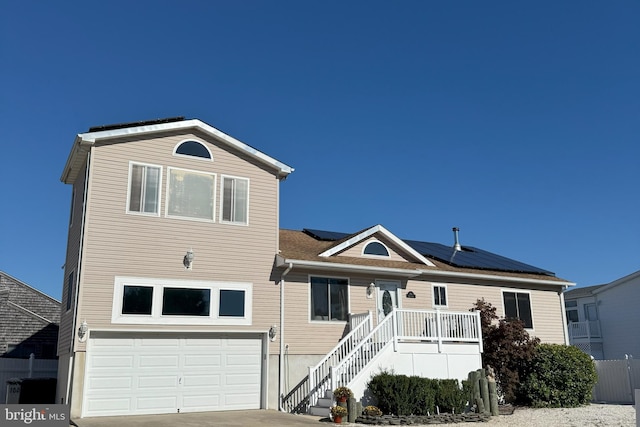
(77, 285)
(281, 361)
(564, 316)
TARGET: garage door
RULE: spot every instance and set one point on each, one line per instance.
(160, 373)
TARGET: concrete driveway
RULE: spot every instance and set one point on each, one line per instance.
(250, 418)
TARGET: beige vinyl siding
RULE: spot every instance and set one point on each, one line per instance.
(305, 336)
(121, 244)
(356, 250)
(71, 264)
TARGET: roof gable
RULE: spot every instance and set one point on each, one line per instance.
(84, 141)
(366, 234)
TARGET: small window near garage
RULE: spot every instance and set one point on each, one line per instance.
(185, 302)
(517, 305)
(193, 149)
(439, 296)
(231, 303)
(376, 248)
(137, 299)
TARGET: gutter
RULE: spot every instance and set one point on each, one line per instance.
(564, 317)
(456, 274)
(281, 359)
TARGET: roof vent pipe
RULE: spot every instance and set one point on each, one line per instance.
(456, 245)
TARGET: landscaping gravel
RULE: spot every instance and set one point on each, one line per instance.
(587, 416)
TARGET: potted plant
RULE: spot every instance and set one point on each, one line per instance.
(342, 393)
(337, 412)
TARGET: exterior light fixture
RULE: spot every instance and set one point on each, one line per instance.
(188, 259)
(371, 290)
(273, 332)
(82, 331)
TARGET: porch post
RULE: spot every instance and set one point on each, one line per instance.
(312, 387)
(439, 328)
(395, 328)
(479, 326)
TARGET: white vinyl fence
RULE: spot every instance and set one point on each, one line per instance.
(25, 368)
(617, 380)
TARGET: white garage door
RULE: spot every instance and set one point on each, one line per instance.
(166, 373)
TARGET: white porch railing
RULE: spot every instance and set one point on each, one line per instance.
(588, 329)
(356, 350)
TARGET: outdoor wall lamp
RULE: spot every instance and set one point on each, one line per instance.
(273, 332)
(370, 290)
(82, 331)
(188, 259)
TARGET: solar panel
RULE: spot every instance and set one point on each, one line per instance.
(468, 257)
(325, 235)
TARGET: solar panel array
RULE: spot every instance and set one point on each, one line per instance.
(468, 257)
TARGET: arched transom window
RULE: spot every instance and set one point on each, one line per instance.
(194, 149)
(375, 248)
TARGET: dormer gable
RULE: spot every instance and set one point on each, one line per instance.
(372, 243)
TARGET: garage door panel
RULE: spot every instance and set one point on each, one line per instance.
(143, 375)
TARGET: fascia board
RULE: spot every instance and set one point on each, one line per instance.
(90, 138)
(369, 232)
(493, 277)
(349, 267)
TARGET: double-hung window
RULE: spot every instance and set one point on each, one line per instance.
(517, 305)
(571, 309)
(190, 194)
(235, 197)
(439, 296)
(144, 189)
(329, 299)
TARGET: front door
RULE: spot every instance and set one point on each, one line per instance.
(387, 297)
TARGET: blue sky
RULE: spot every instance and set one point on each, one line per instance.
(516, 121)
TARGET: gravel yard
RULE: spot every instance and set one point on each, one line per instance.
(587, 416)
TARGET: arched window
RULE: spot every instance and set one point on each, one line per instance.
(193, 148)
(376, 248)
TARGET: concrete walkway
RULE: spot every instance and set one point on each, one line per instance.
(249, 418)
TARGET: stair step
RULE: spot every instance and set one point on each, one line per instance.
(326, 402)
(319, 411)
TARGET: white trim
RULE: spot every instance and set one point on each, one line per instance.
(366, 245)
(156, 317)
(328, 321)
(376, 229)
(520, 291)
(187, 156)
(495, 278)
(433, 297)
(189, 218)
(330, 266)
(128, 210)
(89, 138)
(222, 177)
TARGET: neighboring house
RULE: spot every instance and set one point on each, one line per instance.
(28, 320)
(183, 294)
(601, 318)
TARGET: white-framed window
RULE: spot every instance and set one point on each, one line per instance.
(192, 148)
(191, 194)
(571, 310)
(440, 296)
(181, 302)
(71, 282)
(329, 299)
(235, 200)
(143, 196)
(517, 305)
(375, 248)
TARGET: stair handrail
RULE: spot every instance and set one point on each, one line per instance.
(318, 374)
(388, 322)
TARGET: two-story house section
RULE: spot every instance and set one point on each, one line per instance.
(168, 298)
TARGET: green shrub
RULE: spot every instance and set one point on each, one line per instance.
(559, 376)
(450, 397)
(403, 395)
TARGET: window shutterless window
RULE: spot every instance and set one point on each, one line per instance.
(235, 200)
(137, 299)
(190, 194)
(185, 302)
(439, 296)
(375, 248)
(231, 303)
(144, 189)
(329, 299)
(517, 305)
